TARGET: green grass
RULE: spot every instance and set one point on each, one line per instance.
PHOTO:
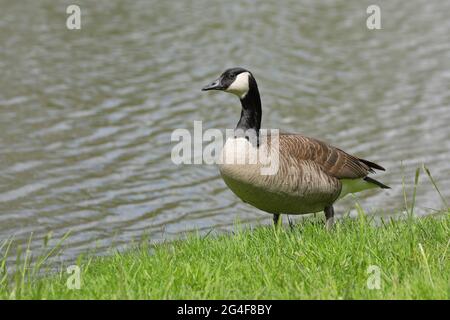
(296, 262)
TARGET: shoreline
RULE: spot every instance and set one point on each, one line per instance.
(400, 259)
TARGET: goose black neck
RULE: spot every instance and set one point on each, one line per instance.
(251, 109)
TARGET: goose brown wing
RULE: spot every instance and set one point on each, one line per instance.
(333, 161)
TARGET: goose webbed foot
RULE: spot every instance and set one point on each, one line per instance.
(329, 215)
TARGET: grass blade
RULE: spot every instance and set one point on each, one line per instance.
(435, 186)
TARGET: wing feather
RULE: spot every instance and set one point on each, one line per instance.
(333, 161)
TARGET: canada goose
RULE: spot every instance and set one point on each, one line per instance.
(312, 175)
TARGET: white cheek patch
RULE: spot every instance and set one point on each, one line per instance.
(240, 85)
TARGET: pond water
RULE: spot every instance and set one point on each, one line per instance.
(86, 115)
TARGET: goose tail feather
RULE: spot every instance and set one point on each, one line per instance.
(372, 165)
(376, 182)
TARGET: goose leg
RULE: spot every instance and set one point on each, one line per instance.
(277, 219)
(329, 215)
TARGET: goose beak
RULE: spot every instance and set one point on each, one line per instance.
(216, 85)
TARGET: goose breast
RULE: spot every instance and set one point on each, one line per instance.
(299, 185)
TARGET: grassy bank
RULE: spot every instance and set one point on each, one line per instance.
(296, 262)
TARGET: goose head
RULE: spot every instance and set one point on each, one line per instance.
(237, 81)
(241, 83)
